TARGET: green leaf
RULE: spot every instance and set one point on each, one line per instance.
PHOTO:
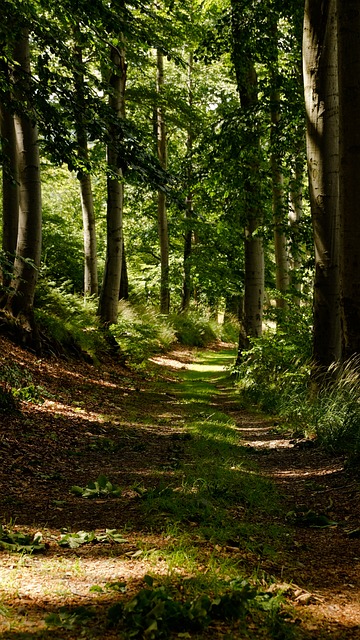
(148, 580)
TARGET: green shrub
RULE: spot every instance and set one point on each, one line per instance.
(195, 328)
(68, 319)
(141, 332)
(336, 410)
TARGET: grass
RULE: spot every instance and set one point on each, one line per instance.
(209, 525)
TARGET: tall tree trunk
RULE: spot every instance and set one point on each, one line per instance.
(280, 237)
(321, 91)
(10, 188)
(109, 297)
(124, 281)
(28, 249)
(349, 191)
(87, 203)
(186, 292)
(162, 213)
(295, 214)
(254, 283)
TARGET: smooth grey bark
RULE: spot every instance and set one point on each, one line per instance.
(161, 205)
(109, 297)
(278, 205)
(186, 292)
(349, 176)
(28, 249)
(321, 101)
(295, 215)
(254, 279)
(87, 202)
(10, 186)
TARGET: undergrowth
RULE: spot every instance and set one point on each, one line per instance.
(71, 322)
(276, 375)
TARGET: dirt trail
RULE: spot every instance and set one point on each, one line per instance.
(316, 489)
(108, 420)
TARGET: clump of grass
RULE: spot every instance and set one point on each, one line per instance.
(195, 328)
(141, 332)
(336, 410)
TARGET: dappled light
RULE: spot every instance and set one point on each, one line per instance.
(180, 517)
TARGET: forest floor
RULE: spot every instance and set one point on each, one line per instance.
(149, 433)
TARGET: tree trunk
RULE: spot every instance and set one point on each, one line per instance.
(124, 281)
(280, 237)
(254, 282)
(349, 183)
(87, 203)
(109, 297)
(186, 293)
(162, 214)
(321, 91)
(10, 186)
(254, 288)
(28, 249)
(295, 214)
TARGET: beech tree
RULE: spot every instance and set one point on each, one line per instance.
(20, 299)
(109, 297)
(161, 204)
(321, 103)
(348, 26)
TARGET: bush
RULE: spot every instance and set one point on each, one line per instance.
(68, 319)
(274, 373)
(141, 332)
(337, 410)
(195, 329)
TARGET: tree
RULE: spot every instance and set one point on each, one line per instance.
(247, 83)
(10, 179)
(109, 297)
(349, 172)
(321, 95)
(278, 191)
(87, 202)
(161, 205)
(28, 249)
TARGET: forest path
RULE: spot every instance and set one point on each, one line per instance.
(195, 509)
(321, 501)
(323, 505)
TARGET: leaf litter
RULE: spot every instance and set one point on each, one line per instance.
(106, 422)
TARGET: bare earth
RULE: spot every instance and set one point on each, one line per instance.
(108, 420)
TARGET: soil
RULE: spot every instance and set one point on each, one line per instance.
(107, 419)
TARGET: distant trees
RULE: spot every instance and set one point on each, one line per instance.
(206, 213)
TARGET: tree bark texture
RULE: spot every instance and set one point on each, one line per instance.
(254, 282)
(87, 202)
(279, 220)
(109, 297)
(186, 292)
(28, 249)
(161, 208)
(295, 215)
(321, 101)
(10, 183)
(349, 149)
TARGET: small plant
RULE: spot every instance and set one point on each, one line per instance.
(75, 540)
(100, 488)
(154, 612)
(18, 542)
(70, 618)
